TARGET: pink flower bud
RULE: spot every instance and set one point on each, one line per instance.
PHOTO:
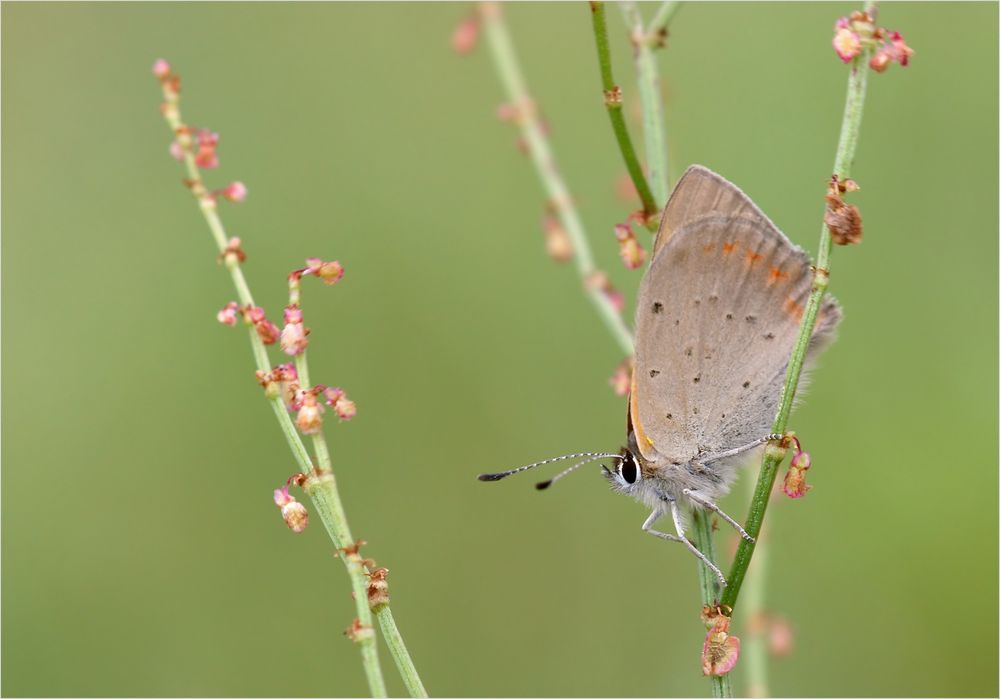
(176, 151)
(795, 485)
(235, 192)
(309, 419)
(721, 650)
(294, 336)
(267, 331)
(294, 513)
(631, 252)
(341, 404)
(466, 35)
(846, 43)
(330, 272)
(621, 380)
(599, 280)
(557, 242)
(780, 637)
(901, 50)
(161, 69)
(227, 315)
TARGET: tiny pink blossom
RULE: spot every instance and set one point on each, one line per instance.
(599, 280)
(235, 192)
(332, 395)
(621, 380)
(309, 419)
(345, 409)
(294, 339)
(902, 51)
(176, 151)
(721, 650)
(631, 252)
(294, 513)
(795, 485)
(780, 637)
(330, 272)
(227, 315)
(255, 314)
(557, 242)
(161, 68)
(267, 331)
(466, 35)
(846, 43)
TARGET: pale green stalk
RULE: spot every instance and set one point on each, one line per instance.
(651, 99)
(321, 484)
(661, 20)
(512, 78)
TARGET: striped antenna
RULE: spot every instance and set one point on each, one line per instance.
(545, 484)
(591, 456)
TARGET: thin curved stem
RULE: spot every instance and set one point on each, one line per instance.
(509, 70)
(857, 83)
(613, 103)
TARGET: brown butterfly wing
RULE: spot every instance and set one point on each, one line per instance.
(717, 317)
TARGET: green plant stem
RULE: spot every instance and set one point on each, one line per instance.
(321, 484)
(613, 103)
(509, 70)
(850, 128)
(648, 79)
(661, 21)
(335, 522)
(708, 584)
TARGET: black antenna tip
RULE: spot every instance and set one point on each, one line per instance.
(491, 476)
(543, 485)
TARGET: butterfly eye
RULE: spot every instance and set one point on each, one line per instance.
(628, 471)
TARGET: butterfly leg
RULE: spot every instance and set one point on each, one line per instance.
(647, 527)
(739, 450)
(705, 502)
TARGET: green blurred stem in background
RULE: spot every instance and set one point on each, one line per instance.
(544, 161)
(320, 485)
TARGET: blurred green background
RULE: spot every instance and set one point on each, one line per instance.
(142, 554)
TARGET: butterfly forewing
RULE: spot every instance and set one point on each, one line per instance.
(716, 319)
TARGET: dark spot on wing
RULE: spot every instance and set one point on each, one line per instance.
(729, 316)
(657, 307)
(688, 351)
(670, 416)
(751, 319)
(677, 322)
(713, 298)
(653, 373)
(769, 336)
(746, 384)
(697, 378)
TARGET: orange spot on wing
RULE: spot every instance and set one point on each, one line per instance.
(753, 257)
(709, 248)
(794, 308)
(774, 275)
(728, 248)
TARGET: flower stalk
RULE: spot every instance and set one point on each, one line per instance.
(613, 103)
(509, 70)
(319, 482)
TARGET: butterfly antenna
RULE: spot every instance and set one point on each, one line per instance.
(545, 484)
(592, 456)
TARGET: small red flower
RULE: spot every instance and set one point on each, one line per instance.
(294, 336)
(557, 242)
(466, 35)
(294, 513)
(846, 43)
(621, 380)
(161, 69)
(227, 315)
(631, 252)
(721, 650)
(330, 272)
(795, 485)
(310, 416)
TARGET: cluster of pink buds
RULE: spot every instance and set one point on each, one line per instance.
(599, 280)
(856, 32)
(721, 650)
(281, 382)
(294, 513)
(235, 192)
(170, 81)
(631, 252)
(795, 485)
